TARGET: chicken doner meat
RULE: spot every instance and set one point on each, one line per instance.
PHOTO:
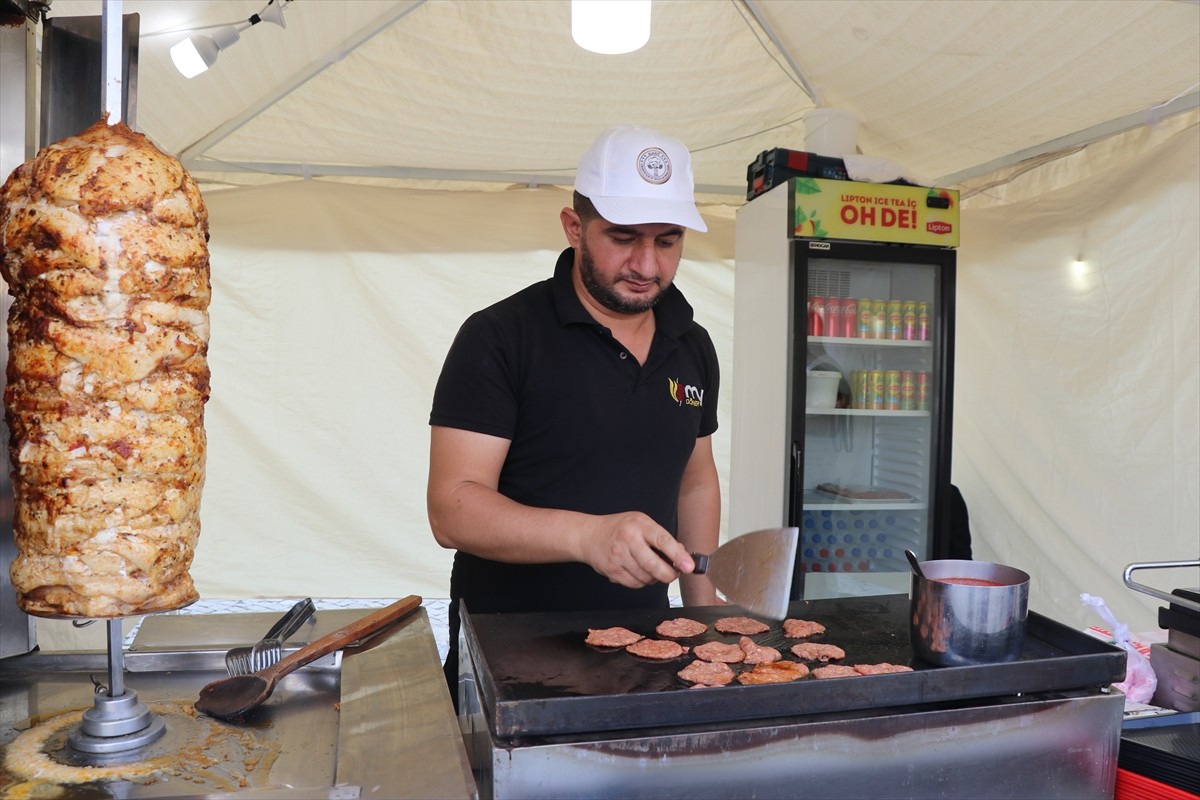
(104, 248)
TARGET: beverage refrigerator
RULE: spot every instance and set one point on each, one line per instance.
(842, 384)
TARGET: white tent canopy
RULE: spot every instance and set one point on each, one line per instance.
(377, 170)
(496, 90)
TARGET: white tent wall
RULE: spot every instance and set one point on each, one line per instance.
(333, 308)
(1077, 412)
(1077, 389)
(1077, 408)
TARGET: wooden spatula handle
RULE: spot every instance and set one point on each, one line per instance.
(342, 637)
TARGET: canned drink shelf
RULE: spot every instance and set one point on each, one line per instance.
(864, 412)
(854, 340)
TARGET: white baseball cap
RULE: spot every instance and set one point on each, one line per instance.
(636, 176)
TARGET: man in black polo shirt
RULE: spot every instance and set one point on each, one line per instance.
(571, 463)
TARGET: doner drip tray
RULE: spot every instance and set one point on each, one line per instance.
(372, 722)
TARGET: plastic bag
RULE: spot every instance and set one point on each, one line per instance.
(1140, 680)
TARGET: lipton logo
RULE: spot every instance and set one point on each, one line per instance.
(682, 394)
(938, 227)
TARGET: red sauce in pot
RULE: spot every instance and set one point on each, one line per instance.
(970, 582)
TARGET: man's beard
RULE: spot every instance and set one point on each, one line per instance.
(606, 295)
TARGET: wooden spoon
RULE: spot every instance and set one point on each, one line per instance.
(232, 697)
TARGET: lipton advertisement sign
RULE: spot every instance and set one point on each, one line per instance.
(875, 212)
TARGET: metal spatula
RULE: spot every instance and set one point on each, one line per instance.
(268, 650)
(754, 570)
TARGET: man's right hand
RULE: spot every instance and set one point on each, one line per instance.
(633, 550)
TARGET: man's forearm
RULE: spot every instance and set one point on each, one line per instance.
(481, 521)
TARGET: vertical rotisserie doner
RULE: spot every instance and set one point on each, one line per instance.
(103, 245)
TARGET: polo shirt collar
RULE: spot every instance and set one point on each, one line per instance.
(672, 315)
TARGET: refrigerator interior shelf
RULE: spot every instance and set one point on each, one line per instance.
(829, 504)
(872, 342)
(864, 412)
(862, 492)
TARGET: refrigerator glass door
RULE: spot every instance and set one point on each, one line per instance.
(868, 391)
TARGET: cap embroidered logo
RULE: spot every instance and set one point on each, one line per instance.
(654, 165)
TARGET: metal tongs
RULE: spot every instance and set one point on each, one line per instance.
(267, 651)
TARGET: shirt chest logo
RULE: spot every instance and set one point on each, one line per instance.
(683, 394)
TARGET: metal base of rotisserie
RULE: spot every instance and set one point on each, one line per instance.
(116, 725)
(378, 724)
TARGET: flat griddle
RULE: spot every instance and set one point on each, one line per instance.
(537, 677)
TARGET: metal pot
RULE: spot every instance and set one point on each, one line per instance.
(953, 624)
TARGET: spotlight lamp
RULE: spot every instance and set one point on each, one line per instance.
(197, 53)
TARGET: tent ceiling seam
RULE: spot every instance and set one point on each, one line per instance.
(1038, 154)
(307, 171)
(797, 73)
(318, 66)
(1077, 139)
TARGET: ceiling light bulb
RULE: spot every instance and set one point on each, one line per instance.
(610, 27)
(195, 54)
(187, 58)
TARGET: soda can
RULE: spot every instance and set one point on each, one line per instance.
(849, 318)
(922, 391)
(891, 389)
(879, 319)
(895, 319)
(877, 390)
(833, 315)
(866, 318)
(858, 388)
(908, 391)
(816, 315)
(864, 389)
(922, 322)
(909, 320)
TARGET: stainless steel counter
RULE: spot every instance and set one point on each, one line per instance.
(376, 722)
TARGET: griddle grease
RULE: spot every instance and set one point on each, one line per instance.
(205, 753)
